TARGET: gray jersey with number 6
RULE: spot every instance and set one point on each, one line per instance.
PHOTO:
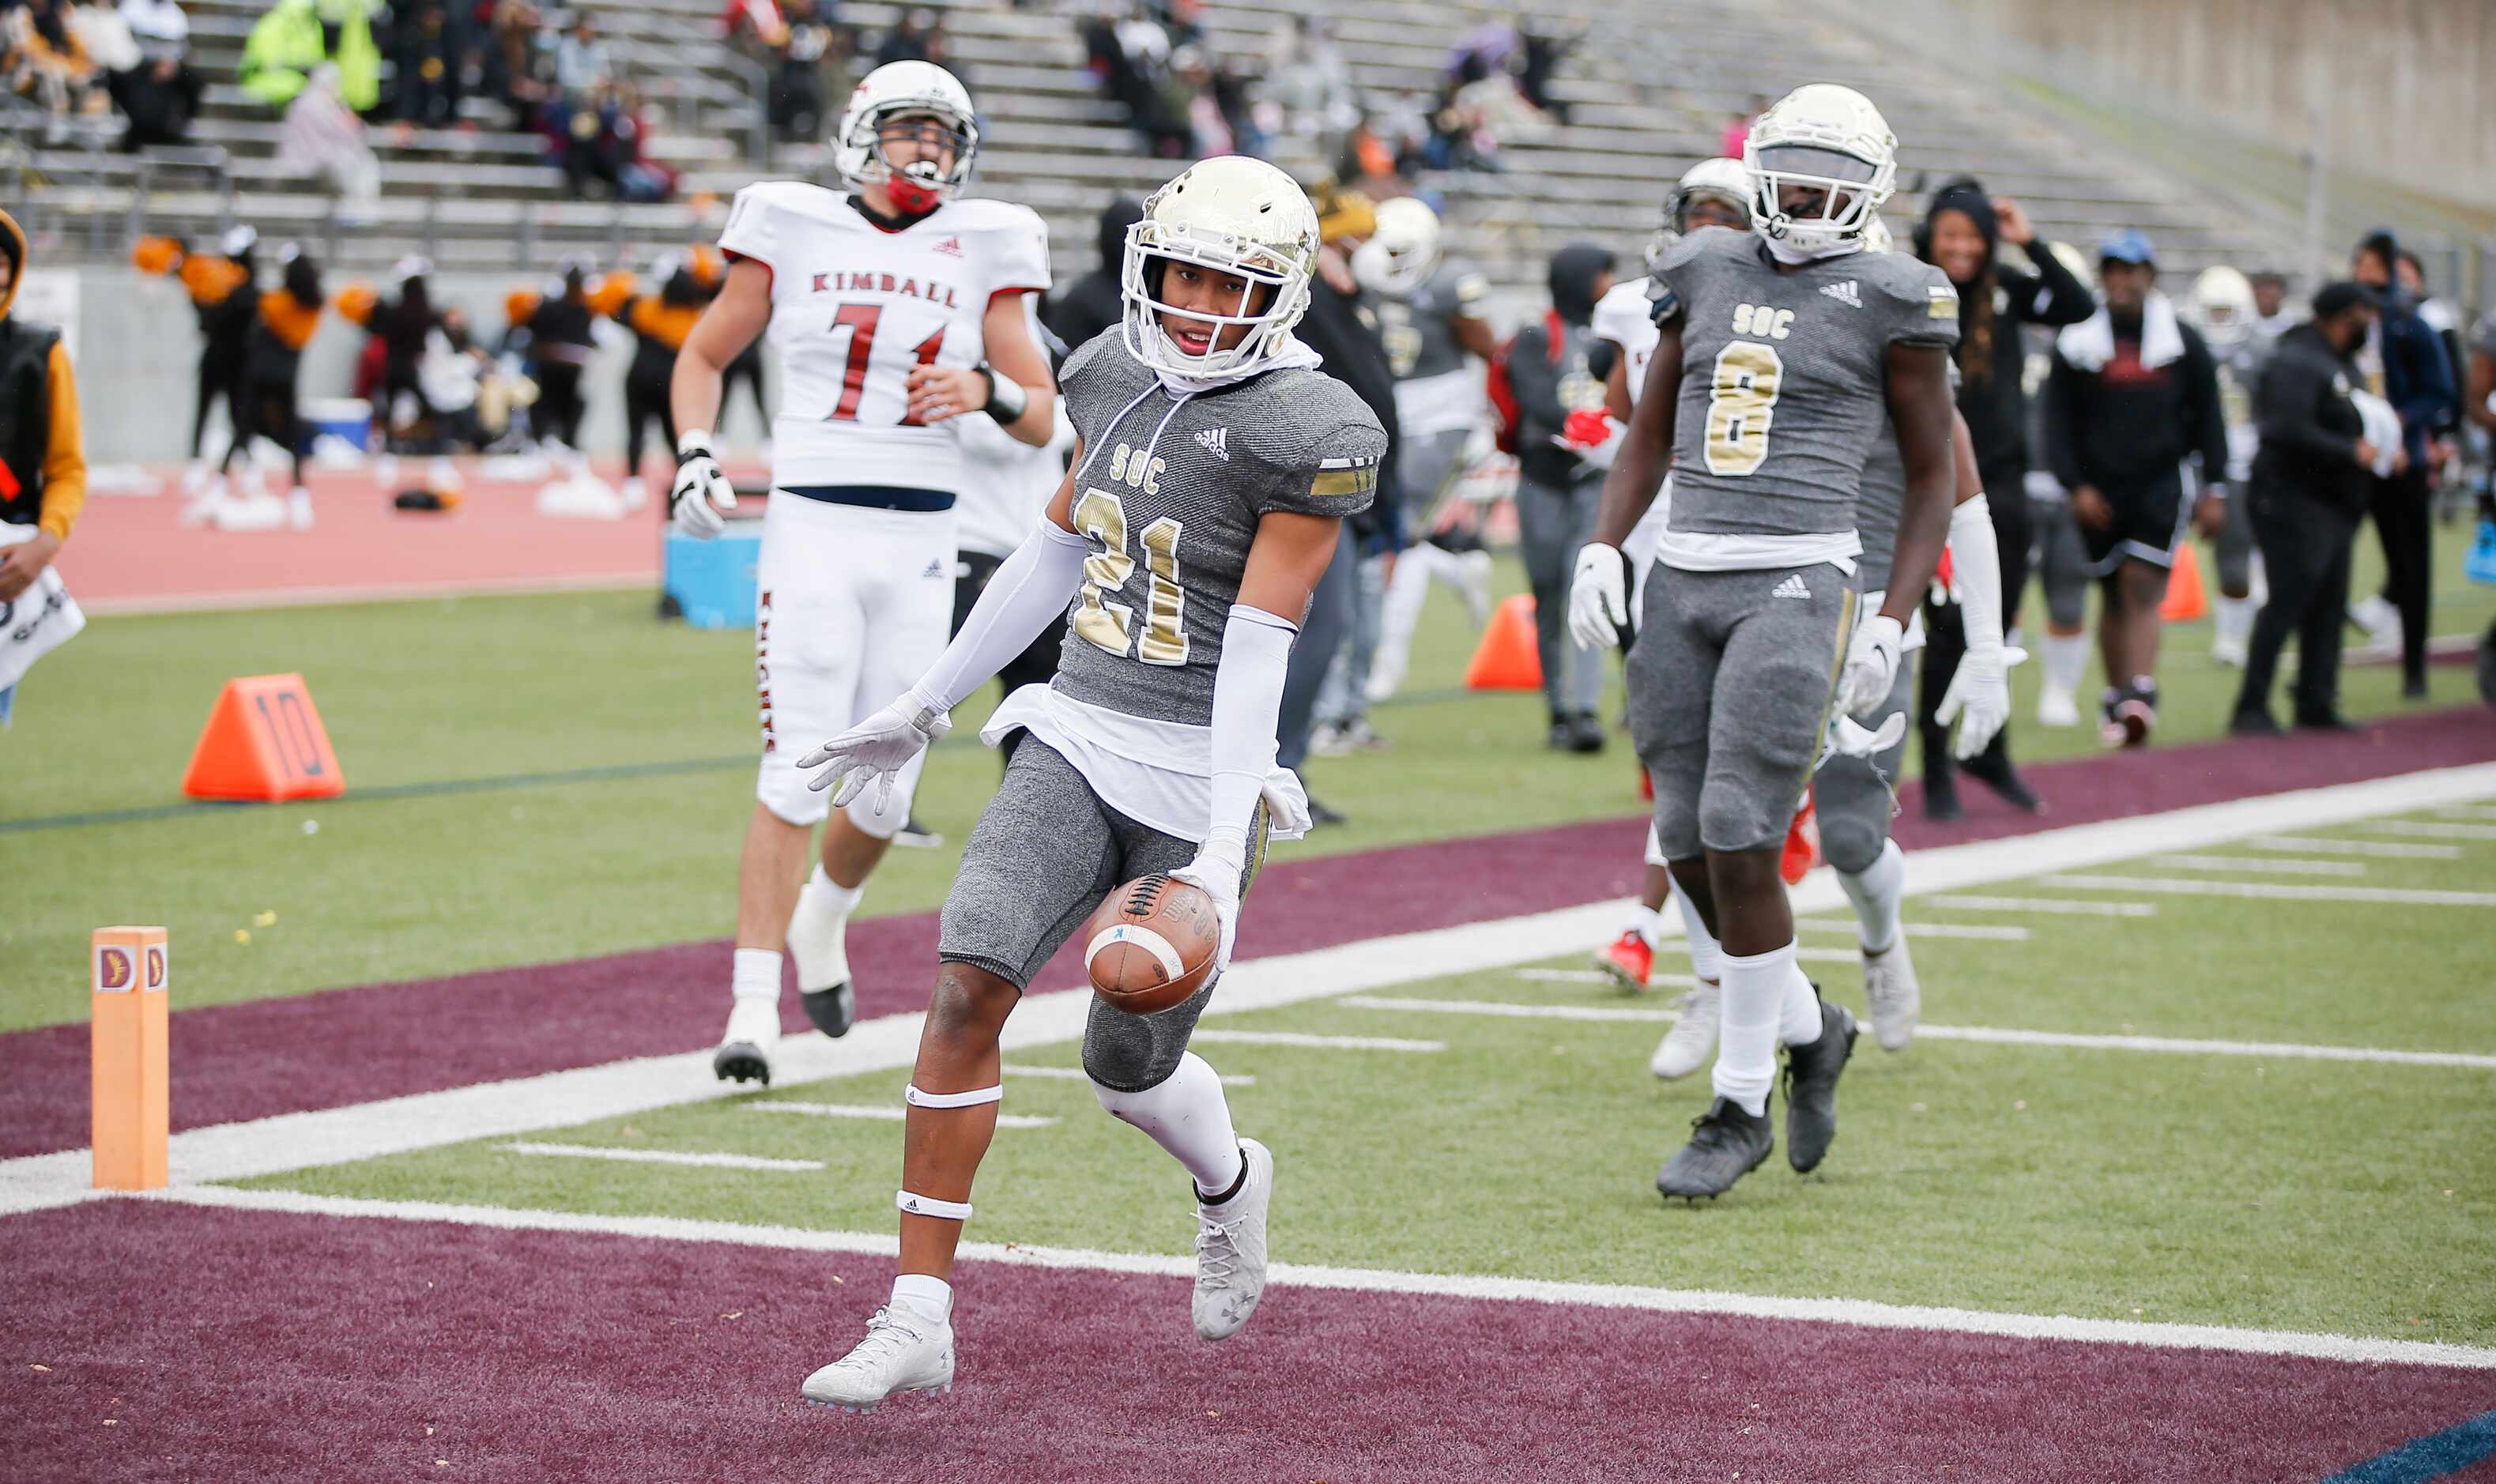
(1784, 378)
(1168, 494)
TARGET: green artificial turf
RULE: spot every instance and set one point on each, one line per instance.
(2262, 1191)
(545, 778)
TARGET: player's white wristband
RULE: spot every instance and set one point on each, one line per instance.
(1029, 591)
(1008, 398)
(1976, 566)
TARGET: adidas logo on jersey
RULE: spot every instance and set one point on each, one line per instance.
(950, 247)
(1844, 293)
(1793, 586)
(1215, 440)
(935, 569)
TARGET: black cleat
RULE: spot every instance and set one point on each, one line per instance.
(834, 1010)
(741, 1061)
(1725, 1145)
(1811, 1087)
(1997, 774)
(917, 836)
(1586, 732)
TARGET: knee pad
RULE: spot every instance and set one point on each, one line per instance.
(1129, 1053)
(1733, 817)
(1850, 840)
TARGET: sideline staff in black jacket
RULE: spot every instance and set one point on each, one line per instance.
(2309, 489)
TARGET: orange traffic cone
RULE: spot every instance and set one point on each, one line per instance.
(263, 742)
(2185, 600)
(1506, 659)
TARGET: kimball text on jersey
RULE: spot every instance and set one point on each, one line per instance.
(931, 291)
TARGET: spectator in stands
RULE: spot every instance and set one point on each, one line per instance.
(519, 63)
(1542, 55)
(103, 36)
(581, 65)
(323, 138)
(806, 65)
(2309, 489)
(1960, 234)
(162, 95)
(298, 36)
(1553, 371)
(907, 41)
(428, 46)
(2135, 393)
(43, 461)
(1370, 163)
(1738, 128)
(1084, 308)
(46, 63)
(2404, 363)
(1307, 77)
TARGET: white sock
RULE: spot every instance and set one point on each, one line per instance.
(1876, 892)
(1187, 1115)
(1647, 923)
(829, 894)
(1798, 1022)
(2066, 658)
(1746, 1038)
(1706, 955)
(2232, 618)
(929, 1297)
(756, 974)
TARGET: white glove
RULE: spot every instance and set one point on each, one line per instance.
(1218, 873)
(1980, 689)
(876, 749)
(1287, 805)
(702, 495)
(1871, 664)
(1599, 604)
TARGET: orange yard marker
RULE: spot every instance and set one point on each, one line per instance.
(131, 1112)
(1506, 659)
(265, 742)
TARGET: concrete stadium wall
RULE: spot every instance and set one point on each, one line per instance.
(138, 355)
(2409, 86)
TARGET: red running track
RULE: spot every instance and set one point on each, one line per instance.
(151, 1341)
(341, 1046)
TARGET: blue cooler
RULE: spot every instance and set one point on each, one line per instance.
(347, 417)
(714, 581)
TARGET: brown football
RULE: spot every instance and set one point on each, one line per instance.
(1152, 943)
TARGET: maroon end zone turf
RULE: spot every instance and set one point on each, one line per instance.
(149, 1340)
(344, 1047)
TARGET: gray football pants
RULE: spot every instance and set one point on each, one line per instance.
(1729, 687)
(1554, 522)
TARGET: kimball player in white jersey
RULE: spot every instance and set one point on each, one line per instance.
(892, 309)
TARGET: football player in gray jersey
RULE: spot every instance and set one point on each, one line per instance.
(1780, 352)
(1214, 469)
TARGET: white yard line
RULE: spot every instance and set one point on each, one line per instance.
(1978, 931)
(2387, 850)
(584, 1094)
(882, 1112)
(2258, 864)
(2053, 907)
(1624, 1296)
(1805, 955)
(2279, 891)
(662, 1156)
(1992, 1035)
(2431, 829)
(1077, 1074)
(1315, 1042)
(2472, 810)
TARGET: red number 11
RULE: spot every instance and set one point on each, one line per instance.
(861, 320)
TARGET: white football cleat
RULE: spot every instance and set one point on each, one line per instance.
(1471, 572)
(1685, 1047)
(2230, 652)
(1891, 991)
(904, 1350)
(299, 509)
(745, 1051)
(1231, 1250)
(2057, 707)
(818, 943)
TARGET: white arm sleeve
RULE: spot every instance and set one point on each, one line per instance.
(1030, 588)
(1976, 566)
(1247, 707)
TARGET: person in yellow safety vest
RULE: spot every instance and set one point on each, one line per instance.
(298, 36)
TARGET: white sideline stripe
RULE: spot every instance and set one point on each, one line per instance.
(2282, 892)
(2474, 811)
(1988, 932)
(2431, 829)
(1317, 1042)
(886, 1113)
(583, 1095)
(2050, 907)
(1077, 1074)
(2387, 850)
(1826, 1310)
(2258, 863)
(1991, 1035)
(662, 1156)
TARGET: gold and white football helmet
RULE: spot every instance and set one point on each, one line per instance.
(1402, 251)
(2222, 306)
(1234, 215)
